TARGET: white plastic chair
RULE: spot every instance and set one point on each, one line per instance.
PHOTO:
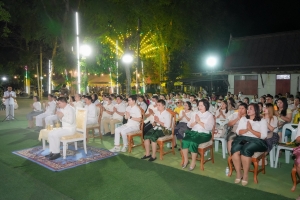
(80, 134)
(283, 140)
(223, 123)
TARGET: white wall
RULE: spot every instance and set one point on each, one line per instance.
(269, 84)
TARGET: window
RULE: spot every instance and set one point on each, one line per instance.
(283, 77)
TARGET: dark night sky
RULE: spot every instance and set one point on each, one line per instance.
(264, 16)
(246, 18)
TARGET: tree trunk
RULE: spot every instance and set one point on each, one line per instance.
(128, 77)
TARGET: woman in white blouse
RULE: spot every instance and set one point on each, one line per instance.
(201, 123)
(233, 121)
(36, 110)
(195, 105)
(142, 103)
(162, 119)
(95, 99)
(272, 123)
(184, 118)
(222, 112)
(252, 131)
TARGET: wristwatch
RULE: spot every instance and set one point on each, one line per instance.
(130, 117)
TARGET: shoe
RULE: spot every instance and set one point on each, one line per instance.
(179, 149)
(115, 149)
(192, 168)
(49, 155)
(112, 135)
(184, 166)
(244, 183)
(54, 156)
(238, 180)
(145, 157)
(151, 159)
(174, 146)
(124, 149)
(107, 134)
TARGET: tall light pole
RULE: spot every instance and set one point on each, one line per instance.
(85, 51)
(128, 59)
(78, 62)
(49, 77)
(144, 90)
(211, 62)
(117, 64)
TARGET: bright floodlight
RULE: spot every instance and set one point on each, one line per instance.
(85, 50)
(127, 58)
(211, 61)
(4, 78)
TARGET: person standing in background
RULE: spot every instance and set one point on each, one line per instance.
(64, 90)
(9, 97)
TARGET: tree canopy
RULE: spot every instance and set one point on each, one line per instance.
(172, 35)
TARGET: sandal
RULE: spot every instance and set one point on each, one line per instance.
(238, 180)
(244, 183)
(184, 166)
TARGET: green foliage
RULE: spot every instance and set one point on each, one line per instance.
(172, 34)
(4, 17)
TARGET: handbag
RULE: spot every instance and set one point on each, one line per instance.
(221, 131)
(166, 131)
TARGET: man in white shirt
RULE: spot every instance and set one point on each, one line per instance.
(162, 119)
(67, 116)
(117, 117)
(108, 111)
(134, 116)
(9, 97)
(50, 110)
(91, 111)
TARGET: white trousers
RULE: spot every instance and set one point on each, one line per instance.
(54, 138)
(10, 110)
(123, 130)
(39, 119)
(49, 120)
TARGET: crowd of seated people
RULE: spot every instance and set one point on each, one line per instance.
(255, 123)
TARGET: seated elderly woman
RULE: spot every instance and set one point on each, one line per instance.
(184, 118)
(162, 120)
(202, 123)
(252, 131)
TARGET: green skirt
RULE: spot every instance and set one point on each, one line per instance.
(250, 146)
(153, 135)
(192, 140)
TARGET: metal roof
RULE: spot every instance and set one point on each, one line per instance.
(276, 51)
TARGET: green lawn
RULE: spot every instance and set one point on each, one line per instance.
(124, 176)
